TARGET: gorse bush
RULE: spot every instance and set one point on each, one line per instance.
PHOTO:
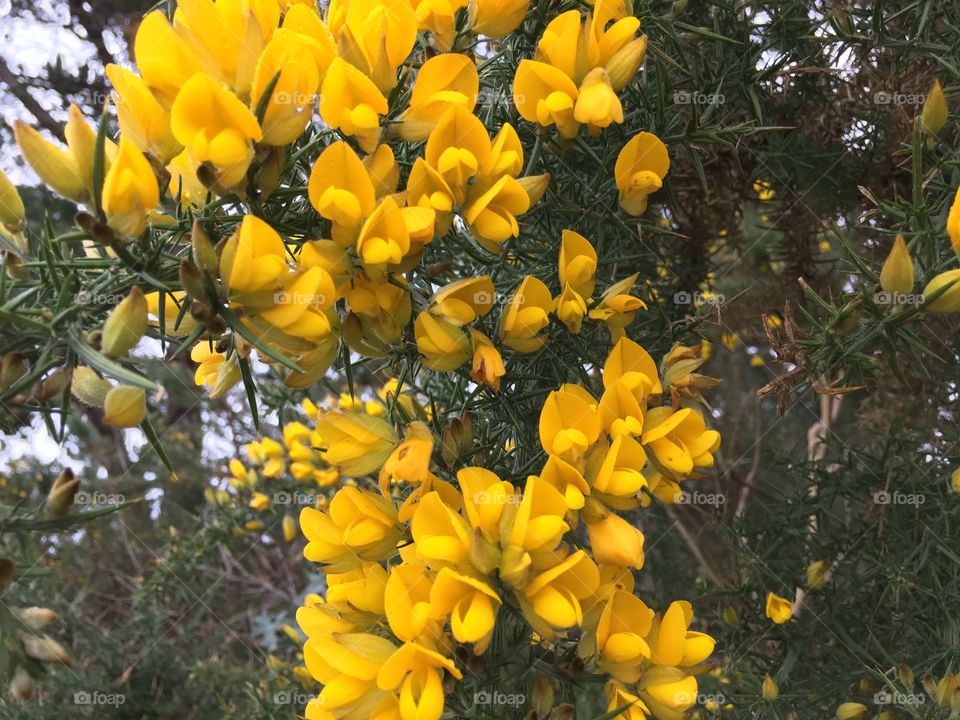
(443, 277)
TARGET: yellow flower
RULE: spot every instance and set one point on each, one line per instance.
(617, 308)
(407, 602)
(552, 599)
(538, 524)
(463, 301)
(231, 33)
(641, 166)
(167, 60)
(384, 239)
(577, 265)
(442, 343)
(619, 696)
(613, 540)
(621, 634)
(441, 535)
(934, 115)
(215, 127)
(470, 603)
(851, 711)
(947, 284)
(130, 191)
(678, 441)
(410, 461)
(488, 367)
(125, 325)
(496, 18)
(417, 671)
(457, 148)
(955, 480)
(347, 664)
(341, 190)
(526, 314)
(143, 119)
(289, 526)
(771, 691)
(629, 362)
(215, 370)
(570, 309)
(11, 206)
(439, 17)
(668, 691)
(615, 470)
(673, 644)
(779, 609)
(356, 444)
(351, 103)
(442, 82)
(896, 275)
(259, 501)
(567, 479)
(254, 259)
(294, 94)
(569, 423)
(491, 210)
(597, 104)
(358, 525)
(545, 95)
(377, 36)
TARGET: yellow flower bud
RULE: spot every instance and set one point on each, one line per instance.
(11, 206)
(816, 572)
(851, 711)
(125, 406)
(955, 481)
(125, 325)
(289, 528)
(60, 496)
(896, 275)
(905, 672)
(496, 18)
(130, 191)
(729, 615)
(771, 691)
(55, 166)
(953, 223)
(45, 649)
(949, 299)
(934, 115)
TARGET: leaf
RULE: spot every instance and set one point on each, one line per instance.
(108, 367)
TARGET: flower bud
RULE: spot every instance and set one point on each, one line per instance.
(88, 387)
(11, 206)
(204, 253)
(125, 325)
(289, 528)
(12, 368)
(816, 572)
(191, 279)
(457, 439)
(851, 711)
(55, 166)
(60, 496)
(934, 115)
(729, 615)
(8, 570)
(949, 299)
(37, 617)
(54, 384)
(125, 406)
(896, 275)
(535, 186)
(771, 691)
(955, 481)
(21, 685)
(905, 673)
(45, 649)
(543, 695)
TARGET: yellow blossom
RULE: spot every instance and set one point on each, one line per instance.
(778, 609)
(641, 166)
(130, 191)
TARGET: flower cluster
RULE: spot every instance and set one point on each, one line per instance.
(439, 558)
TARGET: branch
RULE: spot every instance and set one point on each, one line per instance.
(20, 91)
